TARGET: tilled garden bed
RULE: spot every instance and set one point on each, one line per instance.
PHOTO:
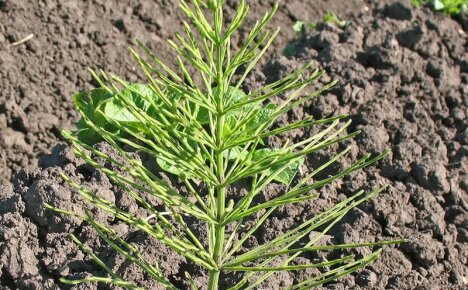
(403, 80)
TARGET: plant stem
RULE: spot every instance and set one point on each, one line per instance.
(220, 119)
(221, 205)
(219, 241)
(214, 280)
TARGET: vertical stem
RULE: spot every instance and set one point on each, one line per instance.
(219, 244)
(221, 207)
(220, 119)
(214, 280)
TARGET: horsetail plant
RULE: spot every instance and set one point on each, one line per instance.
(199, 125)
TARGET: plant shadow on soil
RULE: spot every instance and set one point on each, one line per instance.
(403, 76)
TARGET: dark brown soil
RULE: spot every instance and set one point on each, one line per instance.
(37, 79)
(403, 79)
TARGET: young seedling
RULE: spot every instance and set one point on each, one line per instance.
(300, 27)
(329, 17)
(199, 125)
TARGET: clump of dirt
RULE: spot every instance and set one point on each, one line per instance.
(38, 248)
(39, 78)
(404, 81)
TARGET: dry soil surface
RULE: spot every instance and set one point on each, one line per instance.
(403, 76)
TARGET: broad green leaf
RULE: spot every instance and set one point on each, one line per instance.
(261, 113)
(171, 168)
(235, 152)
(90, 103)
(261, 116)
(234, 96)
(287, 175)
(87, 134)
(203, 115)
(115, 110)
